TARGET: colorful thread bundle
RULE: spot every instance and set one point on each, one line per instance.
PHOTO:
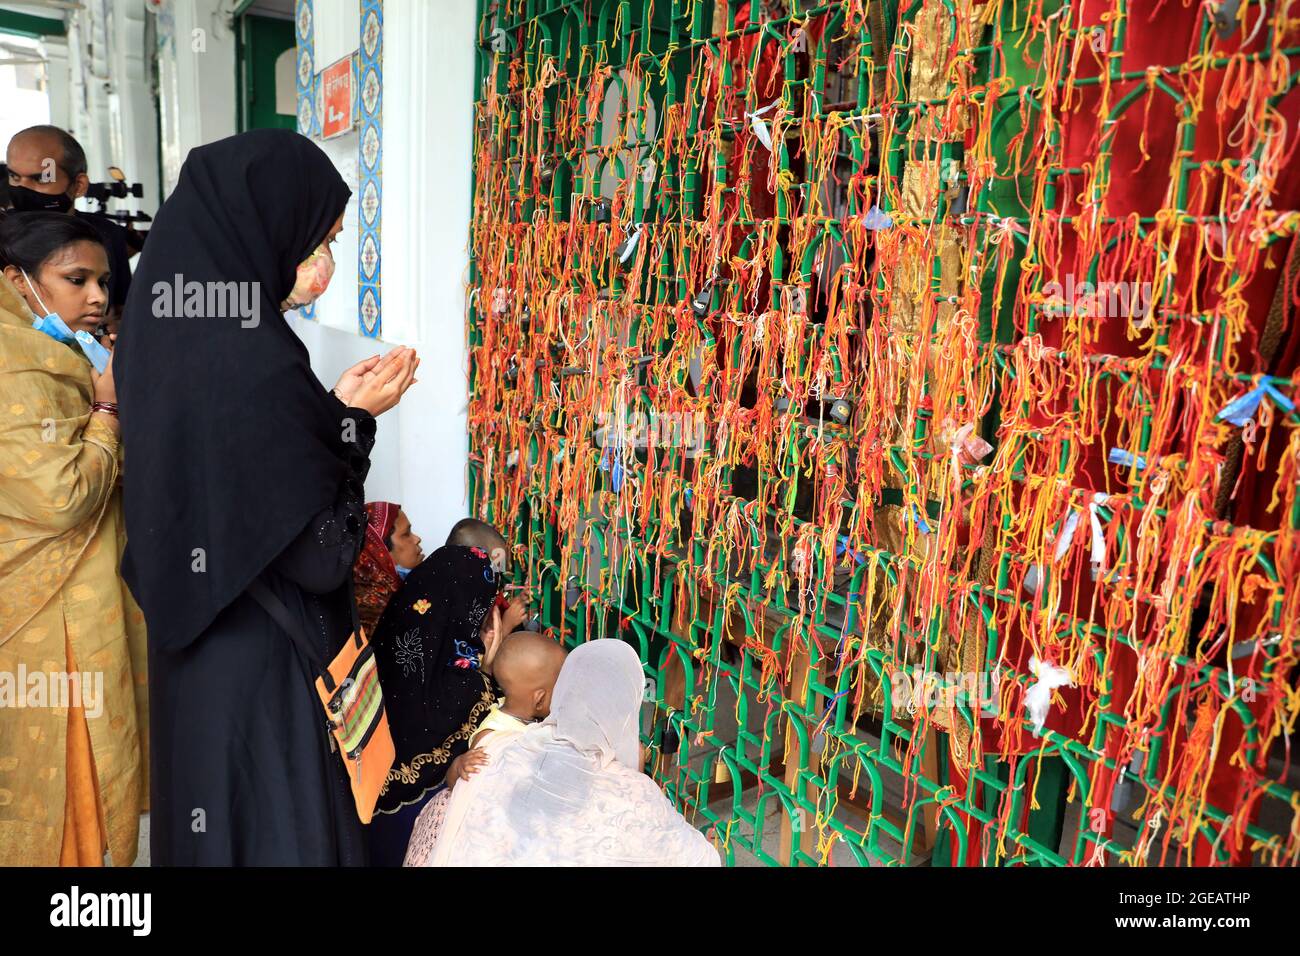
(915, 384)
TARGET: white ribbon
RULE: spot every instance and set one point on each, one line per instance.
(1033, 579)
(1067, 537)
(1098, 537)
(1038, 699)
(634, 236)
(1098, 556)
(759, 127)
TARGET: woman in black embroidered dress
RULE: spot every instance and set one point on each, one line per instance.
(434, 646)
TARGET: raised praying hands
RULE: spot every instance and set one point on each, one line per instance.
(378, 383)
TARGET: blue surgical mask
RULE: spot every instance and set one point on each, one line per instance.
(401, 571)
(52, 324)
(97, 354)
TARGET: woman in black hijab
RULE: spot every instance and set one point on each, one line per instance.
(433, 646)
(244, 472)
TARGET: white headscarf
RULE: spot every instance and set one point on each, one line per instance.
(569, 791)
(596, 703)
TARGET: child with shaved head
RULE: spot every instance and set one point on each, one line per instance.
(526, 667)
(472, 533)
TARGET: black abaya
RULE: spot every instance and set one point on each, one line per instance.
(243, 469)
(233, 442)
(245, 740)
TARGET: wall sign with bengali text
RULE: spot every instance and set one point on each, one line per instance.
(337, 94)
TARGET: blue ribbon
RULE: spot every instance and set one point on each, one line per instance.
(920, 520)
(1241, 410)
(842, 546)
(1118, 456)
(876, 218)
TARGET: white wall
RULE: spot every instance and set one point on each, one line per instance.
(79, 121)
(428, 158)
(90, 116)
(337, 30)
(337, 308)
(421, 453)
(26, 105)
(57, 78)
(333, 351)
(197, 81)
(133, 124)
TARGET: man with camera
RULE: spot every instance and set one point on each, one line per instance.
(47, 173)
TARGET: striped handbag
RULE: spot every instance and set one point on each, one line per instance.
(353, 700)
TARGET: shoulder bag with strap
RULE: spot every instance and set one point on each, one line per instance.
(353, 700)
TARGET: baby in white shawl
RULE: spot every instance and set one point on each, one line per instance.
(567, 791)
(526, 667)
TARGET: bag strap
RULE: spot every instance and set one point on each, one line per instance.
(280, 614)
(356, 617)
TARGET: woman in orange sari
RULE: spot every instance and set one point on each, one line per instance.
(72, 653)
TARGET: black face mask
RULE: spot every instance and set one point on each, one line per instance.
(29, 200)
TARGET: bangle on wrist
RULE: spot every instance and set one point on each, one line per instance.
(109, 408)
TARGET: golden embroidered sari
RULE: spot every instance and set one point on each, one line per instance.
(73, 752)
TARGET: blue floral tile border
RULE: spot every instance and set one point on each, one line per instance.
(370, 88)
(368, 76)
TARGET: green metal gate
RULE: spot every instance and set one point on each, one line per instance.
(782, 371)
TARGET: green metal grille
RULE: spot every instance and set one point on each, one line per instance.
(800, 327)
